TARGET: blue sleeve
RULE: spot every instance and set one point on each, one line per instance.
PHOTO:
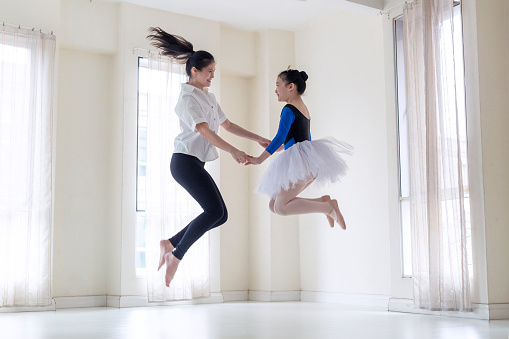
(287, 118)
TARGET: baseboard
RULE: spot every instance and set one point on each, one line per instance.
(373, 301)
(113, 301)
(499, 311)
(28, 308)
(142, 301)
(78, 302)
(479, 311)
(274, 296)
(229, 296)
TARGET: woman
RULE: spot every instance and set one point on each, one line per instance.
(303, 161)
(200, 117)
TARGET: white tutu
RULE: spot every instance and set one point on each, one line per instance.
(320, 159)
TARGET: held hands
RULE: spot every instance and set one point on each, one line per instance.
(258, 160)
(254, 161)
(240, 156)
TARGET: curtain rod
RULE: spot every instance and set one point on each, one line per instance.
(387, 10)
(25, 27)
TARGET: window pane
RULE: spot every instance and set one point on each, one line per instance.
(404, 167)
(142, 134)
(406, 238)
(14, 123)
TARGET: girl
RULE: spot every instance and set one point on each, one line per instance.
(200, 117)
(303, 161)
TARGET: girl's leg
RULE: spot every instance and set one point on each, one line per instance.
(324, 198)
(190, 173)
(286, 203)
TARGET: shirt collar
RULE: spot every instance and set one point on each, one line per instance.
(191, 88)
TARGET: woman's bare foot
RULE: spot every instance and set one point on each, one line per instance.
(172, 263)
(165, 246)
(326, 198)
(336, 214)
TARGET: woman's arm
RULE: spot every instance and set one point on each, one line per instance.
(243, 133)
(216, 140)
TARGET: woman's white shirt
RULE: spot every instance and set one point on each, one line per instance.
(194, 107)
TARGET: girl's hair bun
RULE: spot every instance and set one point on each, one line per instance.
(303, 75)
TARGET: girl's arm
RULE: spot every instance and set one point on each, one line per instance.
(287, 119)
(216, 140)
(241, 132)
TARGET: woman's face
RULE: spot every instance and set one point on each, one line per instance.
(204, 77)
(283, 91)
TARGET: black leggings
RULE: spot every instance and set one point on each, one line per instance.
(190, 173)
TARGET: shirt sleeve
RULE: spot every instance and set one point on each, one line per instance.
(286, 120)
(222, 116)
(192, 114)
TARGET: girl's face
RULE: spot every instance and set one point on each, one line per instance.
(204, 77)
(284, 91)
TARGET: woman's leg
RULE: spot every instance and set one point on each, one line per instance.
(192, 176)
(190, 173)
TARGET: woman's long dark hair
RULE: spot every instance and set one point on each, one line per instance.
(180, 49)
(293, 76)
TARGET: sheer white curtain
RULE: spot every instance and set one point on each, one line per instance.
(169, 207)
(27, 62)
(440, 270)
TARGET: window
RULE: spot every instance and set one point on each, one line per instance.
(27, 61)
(404, 172)
(172, 81)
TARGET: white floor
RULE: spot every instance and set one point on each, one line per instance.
(244, 320)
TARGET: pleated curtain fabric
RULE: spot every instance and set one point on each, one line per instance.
(27, 62)
(169, 208)
(440, 270)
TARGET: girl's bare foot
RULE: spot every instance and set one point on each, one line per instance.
(172, 264)
(326, 198)
(165, 246)
(336, 214)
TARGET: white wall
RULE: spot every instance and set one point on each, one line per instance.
(237, 65)
(43, 14)
(238, 52)
(82, 169)
(89, 26)
(284, 231)
(344, 57)
(493, 71)
(235, 232)
(273, 240)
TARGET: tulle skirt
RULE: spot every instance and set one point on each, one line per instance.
(320, 159)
